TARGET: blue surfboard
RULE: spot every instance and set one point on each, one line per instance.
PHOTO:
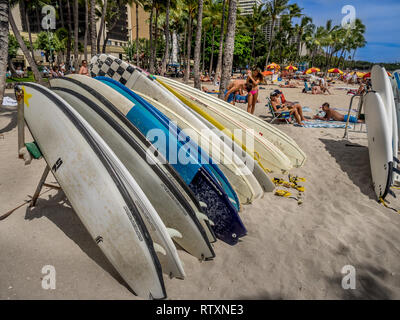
(203, 176)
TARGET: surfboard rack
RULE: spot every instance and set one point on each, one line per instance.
(360, 104)
(23, 151)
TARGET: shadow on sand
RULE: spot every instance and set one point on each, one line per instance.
(354, 161)
(8, 112)
(58, 210)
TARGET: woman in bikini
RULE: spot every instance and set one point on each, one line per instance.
(254, 78)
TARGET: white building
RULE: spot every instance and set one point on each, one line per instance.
(246, 6)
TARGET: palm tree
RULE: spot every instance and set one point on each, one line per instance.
(166, 30)
(76, 30)
(212, 18)
(102, 22)
(302, 28)
(221, 44)
(197, 48)
(85, 40)
(190, 10)
(23, 46)
(4, 9)
(274, 8)
(92, 18)
(229, 48)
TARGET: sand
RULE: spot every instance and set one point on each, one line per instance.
(291, 252)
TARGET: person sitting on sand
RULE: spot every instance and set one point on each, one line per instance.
(234, 87)
(334, 115)
(279, 107)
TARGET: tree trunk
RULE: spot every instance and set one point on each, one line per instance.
(24, 49)
(137, 35)
(76, 30)
(166, 51)
(155, 40)
(270, 42)
(85, 40)
(103, 50)
(4, 11)
(101, 27)
(221, 45)
(69, 40)
(61, 13)
(93, 28)
(189, 49)
(203, 66)
(12, 68)
(151, 60)
(229, 48)
(212, 52)
(197, 48)
(28, 27)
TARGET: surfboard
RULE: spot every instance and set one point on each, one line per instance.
(228, 226)
(79, 161)
(281, 140)
(246, 186)
(379, 144)
(138, 81)
(396, 93)
(140, 144)
(381, 84)
(182, 228)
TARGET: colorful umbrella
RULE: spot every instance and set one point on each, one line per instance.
(273, 66)
(335, 70)
(266, 73)
(291, 68)
(368, 75)
(312, 70)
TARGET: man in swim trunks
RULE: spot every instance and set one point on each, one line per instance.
(234, 87)
(334, 115)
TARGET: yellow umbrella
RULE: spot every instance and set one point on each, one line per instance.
(359, 74)
(335, 70)
(273, 66)
(312, 70)
(291, 68)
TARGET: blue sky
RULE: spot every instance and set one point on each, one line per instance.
(381, 18)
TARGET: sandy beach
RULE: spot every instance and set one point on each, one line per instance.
(291, 251)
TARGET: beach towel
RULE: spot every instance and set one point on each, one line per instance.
(324, 124)
(9, 102)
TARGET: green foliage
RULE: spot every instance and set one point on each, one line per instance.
(242, 51)
(13, 46)
(49, 43)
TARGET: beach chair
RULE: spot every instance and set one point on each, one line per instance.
(285, 115)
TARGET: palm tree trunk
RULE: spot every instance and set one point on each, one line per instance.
(85, 40)
(24, 49)
(4, 11)
(69, 40)
(92, 15)
(203, 66)
(28, 27)
(270, 41)
(137, 35)
(221, 45)
(101, 27)
(12, 68)
(166, 52)
(197, 48)
(155, 41)
(212, 52)
(229, 48)
(61, 13)
(151, 61)
(76, 30)
(189, 49)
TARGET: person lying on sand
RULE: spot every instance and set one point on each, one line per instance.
(205, 89)
(288, 84)
(334, 115)
(279, 107)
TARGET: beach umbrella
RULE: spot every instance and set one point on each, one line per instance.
(359, 74)
(335, 70)
(291, 68)
(266, 73)
(273, 65)
(368, 75)
(312, 70)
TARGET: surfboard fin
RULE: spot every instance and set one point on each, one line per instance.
(396, 160)
(202, 216)
(158, 248)
(203, 205)
(173, 233)
(392, 193)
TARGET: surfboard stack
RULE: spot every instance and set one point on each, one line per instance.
(148, 163)
(381, 116)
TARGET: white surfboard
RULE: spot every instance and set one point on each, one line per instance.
(95, 189)
(281, 140)
(379, 144)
